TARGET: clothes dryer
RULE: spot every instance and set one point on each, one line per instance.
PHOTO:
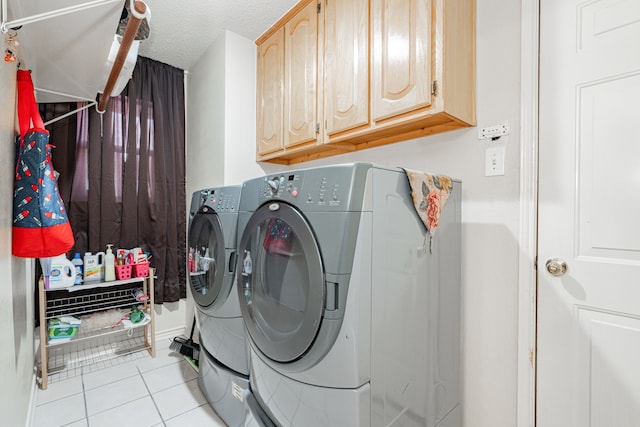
(223, 373)
(352, 308)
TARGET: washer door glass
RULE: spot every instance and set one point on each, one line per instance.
(206, 258)
(280, 282)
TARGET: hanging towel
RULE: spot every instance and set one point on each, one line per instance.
(429, 193)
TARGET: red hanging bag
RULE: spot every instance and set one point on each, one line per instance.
(40, 224)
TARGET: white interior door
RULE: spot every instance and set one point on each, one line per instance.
(589, 214)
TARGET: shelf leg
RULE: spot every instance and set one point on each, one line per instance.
(44, 355)
(153, 313)
(151, 346)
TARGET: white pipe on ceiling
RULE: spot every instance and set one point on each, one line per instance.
(6, 26)
(3, 13)
(70, 113)
(90, 103)
(53, 92)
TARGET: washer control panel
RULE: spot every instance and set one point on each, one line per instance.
(222, 200)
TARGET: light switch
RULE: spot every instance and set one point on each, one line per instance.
(494, 161)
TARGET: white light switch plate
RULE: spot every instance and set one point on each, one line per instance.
(494, 161)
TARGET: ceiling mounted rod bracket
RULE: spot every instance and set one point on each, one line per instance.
(6, 26)
(139, 14)
(139, 11)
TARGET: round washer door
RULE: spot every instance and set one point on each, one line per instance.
(280, 282)
(206, 257)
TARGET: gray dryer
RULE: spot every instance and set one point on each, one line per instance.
(352, 310)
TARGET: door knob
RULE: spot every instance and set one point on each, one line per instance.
(556, 266)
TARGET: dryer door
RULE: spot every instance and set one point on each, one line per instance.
(280, 282)
(206, 257)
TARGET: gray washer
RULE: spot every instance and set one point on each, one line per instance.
(224, 371)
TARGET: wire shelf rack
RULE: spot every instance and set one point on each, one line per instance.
(68, 361)
(104, 341)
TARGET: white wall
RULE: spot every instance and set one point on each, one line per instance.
(490, 210)
(221, 110)
(240, 120)
(206, 120)
(16, 290)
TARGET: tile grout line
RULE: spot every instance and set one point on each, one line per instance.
(173, 417)
(84, 371)
(84, 397)
(151, 395)
(160, 391)
(107, 384)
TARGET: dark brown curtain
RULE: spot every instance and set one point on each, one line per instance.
(62, 135)
(128, 174)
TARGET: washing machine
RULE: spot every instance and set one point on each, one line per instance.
(352, 308)
(223, 362)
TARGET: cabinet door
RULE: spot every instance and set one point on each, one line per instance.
(401, 78)
(300, 77)
(346, 74)
(270, 97)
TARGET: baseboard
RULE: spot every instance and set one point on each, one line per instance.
(169, 334)
(31, 416)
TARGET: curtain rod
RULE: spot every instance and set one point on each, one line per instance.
(139, 12)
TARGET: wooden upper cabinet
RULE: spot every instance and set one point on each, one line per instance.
(346, 65)
(401, 56)
(300, 77)
(270, 99)
(364, 73)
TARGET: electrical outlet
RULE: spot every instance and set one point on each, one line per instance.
(494, 161)
(494, 131)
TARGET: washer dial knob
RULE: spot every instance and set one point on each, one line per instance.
(274, 185)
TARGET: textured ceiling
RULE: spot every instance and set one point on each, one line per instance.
(181, 31)
(67, 52)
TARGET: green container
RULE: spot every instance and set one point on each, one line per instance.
(58, 329)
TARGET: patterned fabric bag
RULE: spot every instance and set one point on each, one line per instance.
(40, 224)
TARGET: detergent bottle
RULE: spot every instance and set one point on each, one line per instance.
(62, 273)
(109, 265)
(93, 266)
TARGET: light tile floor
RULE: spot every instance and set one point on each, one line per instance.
(160, 391)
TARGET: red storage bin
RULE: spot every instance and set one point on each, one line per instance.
(141, 269)
(123, 272)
